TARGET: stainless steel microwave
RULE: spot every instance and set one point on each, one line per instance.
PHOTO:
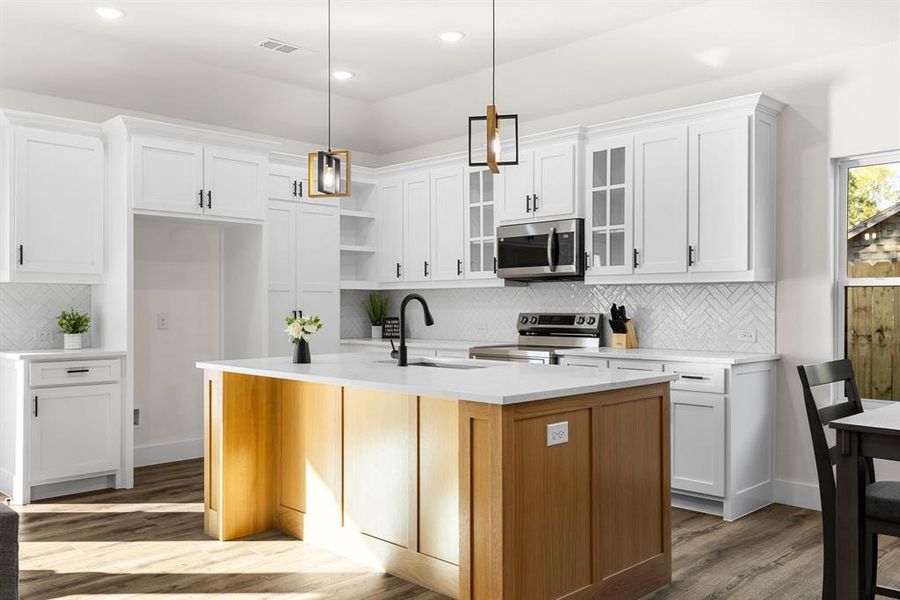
(543, 250)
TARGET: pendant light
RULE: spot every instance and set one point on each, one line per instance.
(494, 123)
(329, 171)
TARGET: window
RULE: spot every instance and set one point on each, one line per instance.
(868, 259)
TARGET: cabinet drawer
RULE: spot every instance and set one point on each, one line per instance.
(75, 372)
(635, 365)
(583, 361)
(696, 377)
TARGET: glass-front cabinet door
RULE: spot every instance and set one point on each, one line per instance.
(610, 195)
(482, 188)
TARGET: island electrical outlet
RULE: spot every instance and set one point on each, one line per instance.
(557, 433)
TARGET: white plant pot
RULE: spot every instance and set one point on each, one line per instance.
(376, 332)
(71, 341)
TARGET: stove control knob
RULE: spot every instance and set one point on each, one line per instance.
(534, 320)
(579, 321)
(524, 320)
(591, 320)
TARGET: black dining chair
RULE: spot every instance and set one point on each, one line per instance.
(882, 497)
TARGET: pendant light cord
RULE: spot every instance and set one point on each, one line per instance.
(329, 76)
(493, 51)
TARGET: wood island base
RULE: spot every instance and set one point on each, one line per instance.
(465, 498)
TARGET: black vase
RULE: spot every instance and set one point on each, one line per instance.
(301, 352)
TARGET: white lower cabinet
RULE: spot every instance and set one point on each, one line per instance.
(698, 442)
(722, 431)
(75, 430)
(61, 421)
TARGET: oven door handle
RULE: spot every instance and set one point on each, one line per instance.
(551, 249)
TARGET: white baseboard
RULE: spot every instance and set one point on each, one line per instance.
(794, 493)
(157, 454)
(77, 486)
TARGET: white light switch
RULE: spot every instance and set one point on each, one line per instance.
(162, 321)
(557, 433)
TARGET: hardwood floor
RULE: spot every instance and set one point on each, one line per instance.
(149, 543)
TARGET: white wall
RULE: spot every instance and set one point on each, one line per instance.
(837, 105)
(177, 272)
(87, 111)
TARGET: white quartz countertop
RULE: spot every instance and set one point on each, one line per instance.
(495, 383)
(423, 343)
(704, 356)
(60, 354)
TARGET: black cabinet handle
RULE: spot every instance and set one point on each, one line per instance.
(634, 260)
(78, 370)
(459, 266)
(398, 270)
(535, 203)
(21, 254)
(301, 189)
(690, 255)
(528, 203)
(696, 377)
(294, 313)
(426, 268)
(35, 406)
(587, 259)
(295, 189)
(495, 264)
(208, 198)
(201, 198)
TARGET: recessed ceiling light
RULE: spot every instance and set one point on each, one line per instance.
(110, 13)
(343, 75)
(451, 37)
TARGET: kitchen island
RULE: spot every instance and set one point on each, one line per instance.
(475, 479)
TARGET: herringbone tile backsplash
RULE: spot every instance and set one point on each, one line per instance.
(683, 316)
(28, 308)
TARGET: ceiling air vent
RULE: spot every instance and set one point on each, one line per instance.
(283, 47)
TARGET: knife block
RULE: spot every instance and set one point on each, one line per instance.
(625, 340)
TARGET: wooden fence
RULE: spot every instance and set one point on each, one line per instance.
(873, 332)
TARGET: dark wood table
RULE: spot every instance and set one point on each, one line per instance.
(873, 434)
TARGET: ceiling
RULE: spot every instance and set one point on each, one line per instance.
(199, 60)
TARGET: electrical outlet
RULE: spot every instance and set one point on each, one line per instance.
(137, 418)
(748, 334)
(162, 321)
(557, 433)
(45, 336)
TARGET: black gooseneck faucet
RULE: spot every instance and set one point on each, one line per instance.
(429, 321)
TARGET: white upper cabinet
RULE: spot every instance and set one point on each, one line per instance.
(554, 181)
(54, 207)
(660, 200)
(168, 176)
(234, 183)
(285, 183)
(390, 229)
(719, 195)
(609, 218)
(447, 196)
(542, 185)
(483, 189)
(173, 176)
(416, 227)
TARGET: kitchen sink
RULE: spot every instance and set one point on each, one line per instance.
(437, 365)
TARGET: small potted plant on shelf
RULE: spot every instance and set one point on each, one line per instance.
(73, 324)
(299, 328)
(376, 306)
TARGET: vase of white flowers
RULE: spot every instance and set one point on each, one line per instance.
(299, 328)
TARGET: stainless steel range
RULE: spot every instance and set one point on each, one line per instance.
(541, 334)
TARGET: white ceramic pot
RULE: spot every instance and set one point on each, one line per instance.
(376, 332)
(71, 341)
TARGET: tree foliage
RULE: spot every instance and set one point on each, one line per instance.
(870, 190)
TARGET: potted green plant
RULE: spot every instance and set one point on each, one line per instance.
(299, 328)
(376, 306)
(73, 324)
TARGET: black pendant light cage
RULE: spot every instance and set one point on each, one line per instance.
(494, 124)
(504, 122)
(329, 171)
